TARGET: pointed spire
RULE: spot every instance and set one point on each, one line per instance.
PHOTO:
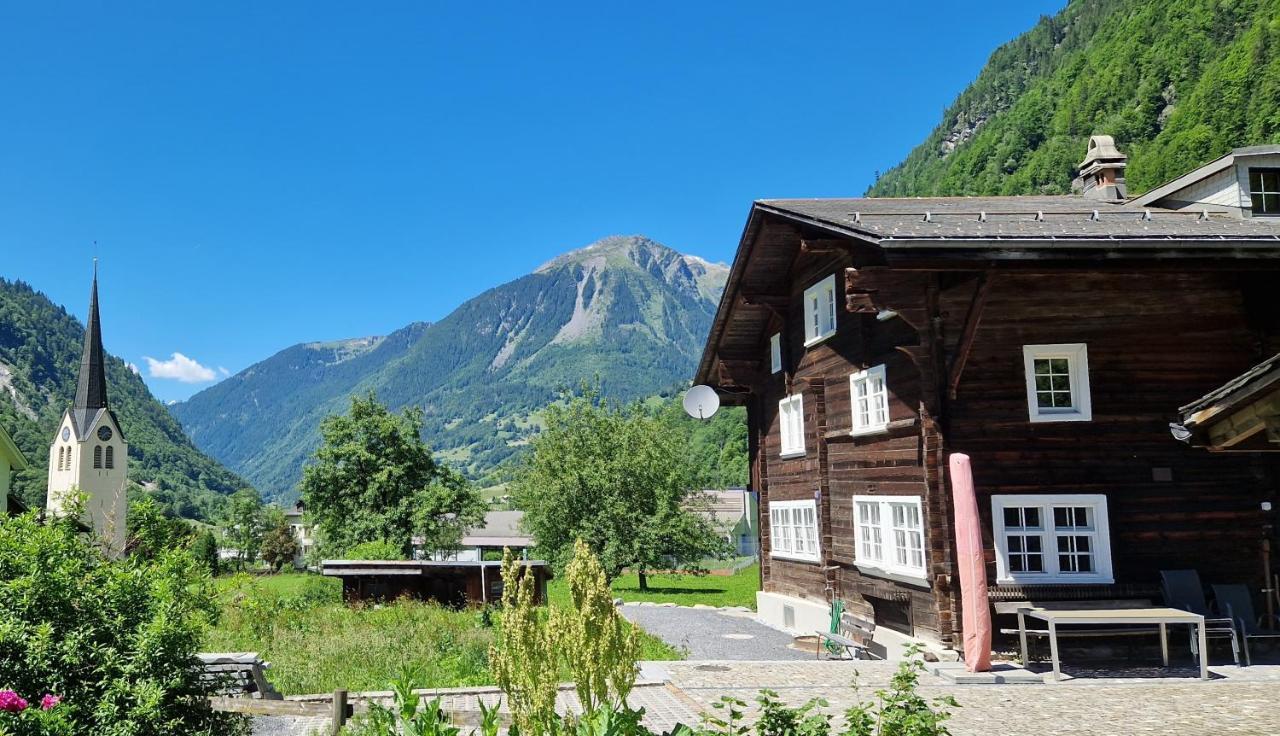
(91, 390)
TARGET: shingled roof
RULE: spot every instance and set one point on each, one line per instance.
(892, 221)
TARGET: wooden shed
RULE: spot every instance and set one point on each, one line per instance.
(450, 583)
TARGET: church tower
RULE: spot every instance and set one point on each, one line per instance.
(89, 455)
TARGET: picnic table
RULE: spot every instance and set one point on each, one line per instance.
(1161, 616)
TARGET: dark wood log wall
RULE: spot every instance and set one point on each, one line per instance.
(1155, 341)
(837, 466)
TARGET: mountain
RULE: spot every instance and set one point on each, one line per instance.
(40, 345)
(626, 310)
(1176, 82)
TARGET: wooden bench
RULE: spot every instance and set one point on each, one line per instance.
(238, 674)
(854, 638)
(1011, 608)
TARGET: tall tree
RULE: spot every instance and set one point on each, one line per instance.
(620, 480)
(373, 478)
(279, 545)
(244, 525)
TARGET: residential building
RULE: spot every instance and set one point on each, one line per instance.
(296, 517)
(735, 514)
(499, 531)
(11, 460)
(1051, 339)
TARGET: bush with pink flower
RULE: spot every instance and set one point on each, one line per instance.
(91, 645)
(20, 717)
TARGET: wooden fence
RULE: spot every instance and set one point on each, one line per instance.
(339, 710)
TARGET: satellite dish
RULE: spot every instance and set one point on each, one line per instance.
(701, 402)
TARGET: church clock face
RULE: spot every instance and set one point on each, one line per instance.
(66, 434)
(104, 433)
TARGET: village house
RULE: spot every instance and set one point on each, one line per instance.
(1053, 339)
(11, 460)
(499, 531)
(734, 513)
(296, 519)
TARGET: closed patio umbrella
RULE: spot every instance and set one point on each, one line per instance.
(976, 610)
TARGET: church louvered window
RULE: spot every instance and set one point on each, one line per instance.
(111, 457)
(97, 457)
(61, 454)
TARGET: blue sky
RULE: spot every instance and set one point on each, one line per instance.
(261, 174)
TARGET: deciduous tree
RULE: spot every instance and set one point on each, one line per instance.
(618, 479)
(279, 545)
(373, 478)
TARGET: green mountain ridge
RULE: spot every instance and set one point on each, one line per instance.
(40, 345)
(626, 310)
(1177, 83)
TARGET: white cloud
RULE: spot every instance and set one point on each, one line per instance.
(223, 370)
(179, 368)
(133, 368)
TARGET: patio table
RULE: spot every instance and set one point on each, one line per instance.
(1056, 617)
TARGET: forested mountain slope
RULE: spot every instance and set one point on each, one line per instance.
(1176, 82)
(627, 311)
(40, 346)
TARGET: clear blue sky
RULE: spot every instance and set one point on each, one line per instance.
(258, 174)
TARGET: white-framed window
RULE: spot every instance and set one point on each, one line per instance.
(1264, 191)
(793, 530)
(775, 353)
(1052, 539)
(791, 425)
(869, 399)
(1057, 382)
(890, 535)
(820, 311)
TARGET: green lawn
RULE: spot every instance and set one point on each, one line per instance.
(738, 589)
(317, 644)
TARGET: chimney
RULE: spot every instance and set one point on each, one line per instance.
(1102, 171)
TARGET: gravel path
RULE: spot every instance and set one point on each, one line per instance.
(707, 633)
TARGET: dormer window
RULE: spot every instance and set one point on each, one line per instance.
(1264, 191)
(820, 311)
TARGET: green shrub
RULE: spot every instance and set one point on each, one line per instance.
(115, 639)
(379, 549)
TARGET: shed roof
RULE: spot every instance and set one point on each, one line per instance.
(1236, 410)
(345, 568)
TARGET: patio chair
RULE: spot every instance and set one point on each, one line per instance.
(1234, 600)
(1182, 589)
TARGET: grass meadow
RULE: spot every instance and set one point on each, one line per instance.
(316, 644)
(738, 589)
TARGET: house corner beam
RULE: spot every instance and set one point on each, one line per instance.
(970, 331)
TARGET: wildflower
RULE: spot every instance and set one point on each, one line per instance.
(50, 701)
(11, 702)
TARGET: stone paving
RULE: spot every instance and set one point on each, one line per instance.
(1241, 702)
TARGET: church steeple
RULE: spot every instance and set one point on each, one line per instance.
(91, 390)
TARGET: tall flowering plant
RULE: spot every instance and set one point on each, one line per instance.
(21, 717)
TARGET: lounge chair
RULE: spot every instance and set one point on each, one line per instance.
(1182, 589)
(1234, 601)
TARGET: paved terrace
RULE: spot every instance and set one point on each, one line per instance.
(1108, 701)
(1103, 702)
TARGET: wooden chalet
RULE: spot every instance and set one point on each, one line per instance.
(450, 583)
(1051, 338)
